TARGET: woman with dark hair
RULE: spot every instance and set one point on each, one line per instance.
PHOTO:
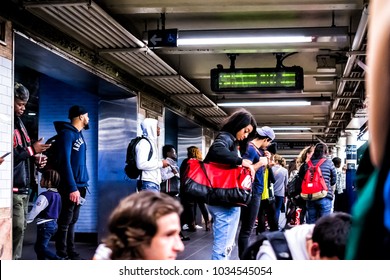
(226, 149)
(322, 206)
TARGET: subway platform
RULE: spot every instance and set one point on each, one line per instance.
(197, 248)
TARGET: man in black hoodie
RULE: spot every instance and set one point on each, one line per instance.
(74, 177)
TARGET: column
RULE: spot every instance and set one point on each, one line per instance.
(351, 161)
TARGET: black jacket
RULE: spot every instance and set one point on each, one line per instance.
(23, 154)
(224, 150)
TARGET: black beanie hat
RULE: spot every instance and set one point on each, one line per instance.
(76, 111)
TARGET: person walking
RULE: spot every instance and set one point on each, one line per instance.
(73, 171)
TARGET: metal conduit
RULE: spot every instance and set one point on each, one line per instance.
(92, 24)
(356, 44)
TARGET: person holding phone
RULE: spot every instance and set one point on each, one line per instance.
(24, 151)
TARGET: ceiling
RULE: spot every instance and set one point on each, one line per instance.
(116, 31)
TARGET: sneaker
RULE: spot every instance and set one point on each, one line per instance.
(198, 227)
(185, 227)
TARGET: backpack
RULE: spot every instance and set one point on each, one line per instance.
(294, 186)
(131, 168)
(52, 154)
(313, 184)
(278, 242)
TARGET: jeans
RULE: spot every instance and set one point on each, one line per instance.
(279, 200)
(226, 220)
(248, 218)
(19, 223)
(317, 209)
(149, 186)
(66, 222)
(44, 233)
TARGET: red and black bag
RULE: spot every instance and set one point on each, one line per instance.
(218, 184)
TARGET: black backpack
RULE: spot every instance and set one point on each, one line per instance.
(278, 242)
(131, 168)
(294, 186)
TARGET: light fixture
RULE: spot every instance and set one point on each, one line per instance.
(265, 104)
(222, 37)
(291, 128)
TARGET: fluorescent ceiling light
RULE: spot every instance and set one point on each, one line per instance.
(291, 128)
(266, 104)
(295, 133)
(218, 37)
(244, 40)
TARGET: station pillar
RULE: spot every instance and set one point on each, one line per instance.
(351, 161)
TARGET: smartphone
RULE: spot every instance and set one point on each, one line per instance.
(6, 154)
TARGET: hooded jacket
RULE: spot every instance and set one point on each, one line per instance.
(150, 168)
(296, 241)
(71, 153)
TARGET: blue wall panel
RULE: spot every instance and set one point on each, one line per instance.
(55, 99)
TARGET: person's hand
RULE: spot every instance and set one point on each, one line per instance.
(40, 147)
(267, 154)
(40, 160)
(165, 163)
(75, 197)
(248, 164)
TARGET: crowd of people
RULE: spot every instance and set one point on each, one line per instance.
(150, 223)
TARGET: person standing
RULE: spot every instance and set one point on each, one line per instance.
(257, 154)
(280, 185)
(151, 168)
(191, 204)
(322, 206)
(225, 149)
(73, 171)
(170, 175)
(24, 151)
(47, 208)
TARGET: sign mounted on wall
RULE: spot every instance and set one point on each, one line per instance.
(162, 38)
(257, 79)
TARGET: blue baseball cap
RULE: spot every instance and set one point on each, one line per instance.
(266, 131)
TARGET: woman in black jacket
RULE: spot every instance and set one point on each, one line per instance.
(226, 149)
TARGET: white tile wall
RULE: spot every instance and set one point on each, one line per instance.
(5, 131)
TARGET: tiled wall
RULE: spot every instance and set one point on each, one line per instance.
(6, 113)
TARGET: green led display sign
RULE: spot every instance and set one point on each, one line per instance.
(257, 79)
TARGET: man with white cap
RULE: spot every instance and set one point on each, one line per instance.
(24, 152)
(257, 154)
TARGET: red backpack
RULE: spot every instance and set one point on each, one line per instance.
(313, 184)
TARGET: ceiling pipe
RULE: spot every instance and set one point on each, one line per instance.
(356, 44)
